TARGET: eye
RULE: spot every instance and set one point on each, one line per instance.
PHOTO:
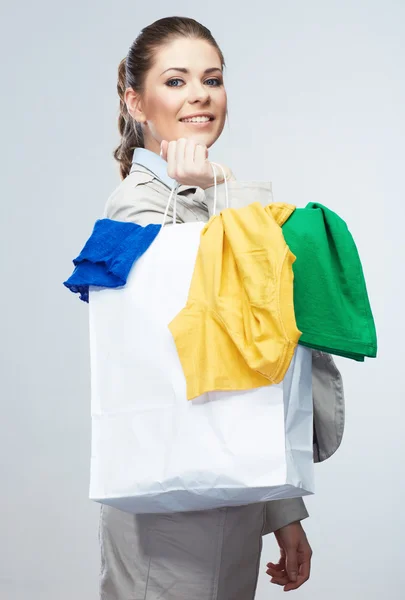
(168, 83)
(217, 81)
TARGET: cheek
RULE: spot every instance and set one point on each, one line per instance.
(222, 102)
(163, 112)
(166, 105)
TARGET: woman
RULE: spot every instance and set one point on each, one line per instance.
(173, 108)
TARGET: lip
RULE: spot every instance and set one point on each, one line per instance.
(204, 114)
(203, 125)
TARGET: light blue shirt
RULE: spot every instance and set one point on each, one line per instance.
(154, 163)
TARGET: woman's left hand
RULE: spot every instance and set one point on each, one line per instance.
(294, 567)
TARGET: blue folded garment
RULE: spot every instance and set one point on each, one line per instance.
(108, 255)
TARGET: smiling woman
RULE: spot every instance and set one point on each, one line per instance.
(173, 107)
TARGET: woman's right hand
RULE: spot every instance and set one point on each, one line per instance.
(187, 163)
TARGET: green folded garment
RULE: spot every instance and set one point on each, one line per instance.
(331, 303)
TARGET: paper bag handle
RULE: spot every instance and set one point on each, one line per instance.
(177, 185)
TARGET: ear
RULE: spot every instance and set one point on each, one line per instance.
(134, 105)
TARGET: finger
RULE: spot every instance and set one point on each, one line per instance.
(278, 567)
(279, 575)
(292, 564)
(280, 580)
(304, 559)
(180, 156)
(201, 154)
(305, 569)
(189, 153)
(275, 570)
(272, 564)
(303, 575)
(294, 586)
(171, 159)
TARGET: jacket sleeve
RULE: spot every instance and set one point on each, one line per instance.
(280, 513)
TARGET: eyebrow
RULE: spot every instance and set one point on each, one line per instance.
(183, 70)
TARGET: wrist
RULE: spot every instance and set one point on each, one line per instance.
(289, 525)
(220, 178)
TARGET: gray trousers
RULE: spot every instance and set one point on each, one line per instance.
(205, 555)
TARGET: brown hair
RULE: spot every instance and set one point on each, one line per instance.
(134, 67)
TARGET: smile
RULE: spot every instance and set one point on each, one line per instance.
(197, 120)
(199, 124)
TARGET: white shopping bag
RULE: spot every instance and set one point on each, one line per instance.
(152, 449)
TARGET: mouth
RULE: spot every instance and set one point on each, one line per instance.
(202, 119)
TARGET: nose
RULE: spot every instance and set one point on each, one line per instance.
(198, 93)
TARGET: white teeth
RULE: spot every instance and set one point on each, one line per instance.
(196, 120)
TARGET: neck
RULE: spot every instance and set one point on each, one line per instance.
(150, 143)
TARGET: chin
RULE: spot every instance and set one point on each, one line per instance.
(207, 138)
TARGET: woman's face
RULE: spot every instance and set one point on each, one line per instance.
(185, 80)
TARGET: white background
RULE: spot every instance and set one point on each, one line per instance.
(316, 103)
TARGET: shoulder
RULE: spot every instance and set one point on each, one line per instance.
(139, 198)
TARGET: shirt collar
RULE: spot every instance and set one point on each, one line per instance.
(154, 163)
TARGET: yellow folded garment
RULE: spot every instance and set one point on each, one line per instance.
(238, 329)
